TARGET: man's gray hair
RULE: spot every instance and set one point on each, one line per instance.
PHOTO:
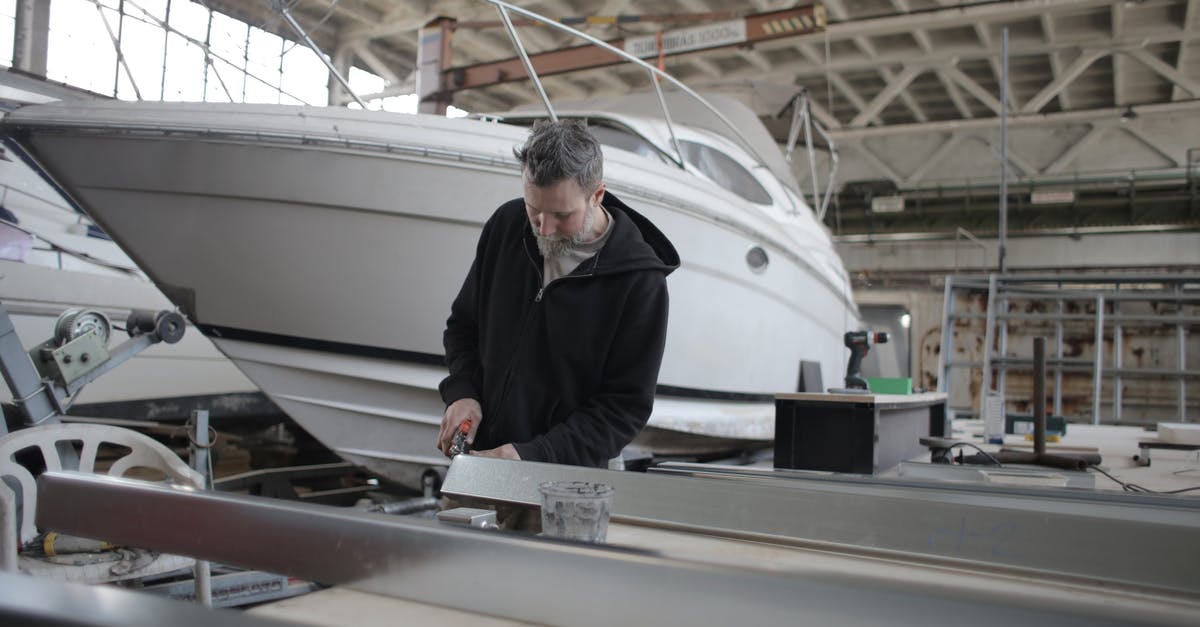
(557, 151)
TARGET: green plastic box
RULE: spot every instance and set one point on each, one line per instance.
(890, 385)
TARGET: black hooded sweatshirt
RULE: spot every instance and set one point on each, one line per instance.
(566, 373)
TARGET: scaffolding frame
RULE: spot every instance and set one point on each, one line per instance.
(1059, 288)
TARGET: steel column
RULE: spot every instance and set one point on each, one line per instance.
(1098, 371)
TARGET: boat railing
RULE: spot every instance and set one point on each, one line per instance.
(802, 119)
(801, 116)
(656, 75)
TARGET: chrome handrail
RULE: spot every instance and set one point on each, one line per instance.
(655, 73)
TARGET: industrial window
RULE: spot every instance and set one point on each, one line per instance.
(724, 171)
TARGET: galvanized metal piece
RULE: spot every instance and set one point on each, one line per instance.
(201, 463)
(528, 578)
(1054, 532)
(77, 358)
(469, 517)
(1010, 475)
(22, 378)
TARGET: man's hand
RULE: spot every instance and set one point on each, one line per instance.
(458, 411)
(506, 451)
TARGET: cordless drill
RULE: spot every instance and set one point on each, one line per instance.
(859, 342)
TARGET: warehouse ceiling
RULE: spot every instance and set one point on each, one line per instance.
(909, 89)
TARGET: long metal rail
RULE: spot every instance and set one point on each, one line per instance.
(539, 580)
(1050, 532)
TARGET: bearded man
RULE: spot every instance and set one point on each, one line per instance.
(556, 337)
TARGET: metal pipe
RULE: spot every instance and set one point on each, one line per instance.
(116, 41)
(806, 119)
(207, 56)
(1098, 367)
(1039, 395)
(1181, 360)
(1118, 333)
(537, 82)
(947, 347)
(662, 103)
(988, 337)
(162, 83)
(1003, 148)
(833, 167)
(407, 506)
(201, 571)
(287, 16)
(1002, 370)
(1058, 353)
(603, 45)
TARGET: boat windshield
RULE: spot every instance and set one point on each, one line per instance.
(724, 171)
(624, 139)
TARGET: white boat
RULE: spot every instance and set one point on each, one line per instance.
(320, 249)
(53, 258)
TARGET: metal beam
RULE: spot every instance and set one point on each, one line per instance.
(1052, 531)
(875, 161)
(1190, 15)
(885, 97)
(381, 69)
(706, 66)
(1165, 70)
(473, 570)
(954, 95)
(1133, 130)
(1086, 59)
(906, 97)
(759, 27)
(951, 16)
(973, 88)
(1117, 17)
(1048, 33)
(919, 34)
(1024, 121)
(946, 55)
(823, 116)
(1061, 162)
(755, 58)
(934, 159)
(838, 11)
(343, 58)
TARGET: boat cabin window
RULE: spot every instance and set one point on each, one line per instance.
(724, 171)
(624, 140)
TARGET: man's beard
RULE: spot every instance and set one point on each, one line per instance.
(555, 246)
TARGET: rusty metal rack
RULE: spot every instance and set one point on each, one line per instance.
(1099, 300)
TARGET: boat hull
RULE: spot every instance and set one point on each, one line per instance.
(325, 269)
